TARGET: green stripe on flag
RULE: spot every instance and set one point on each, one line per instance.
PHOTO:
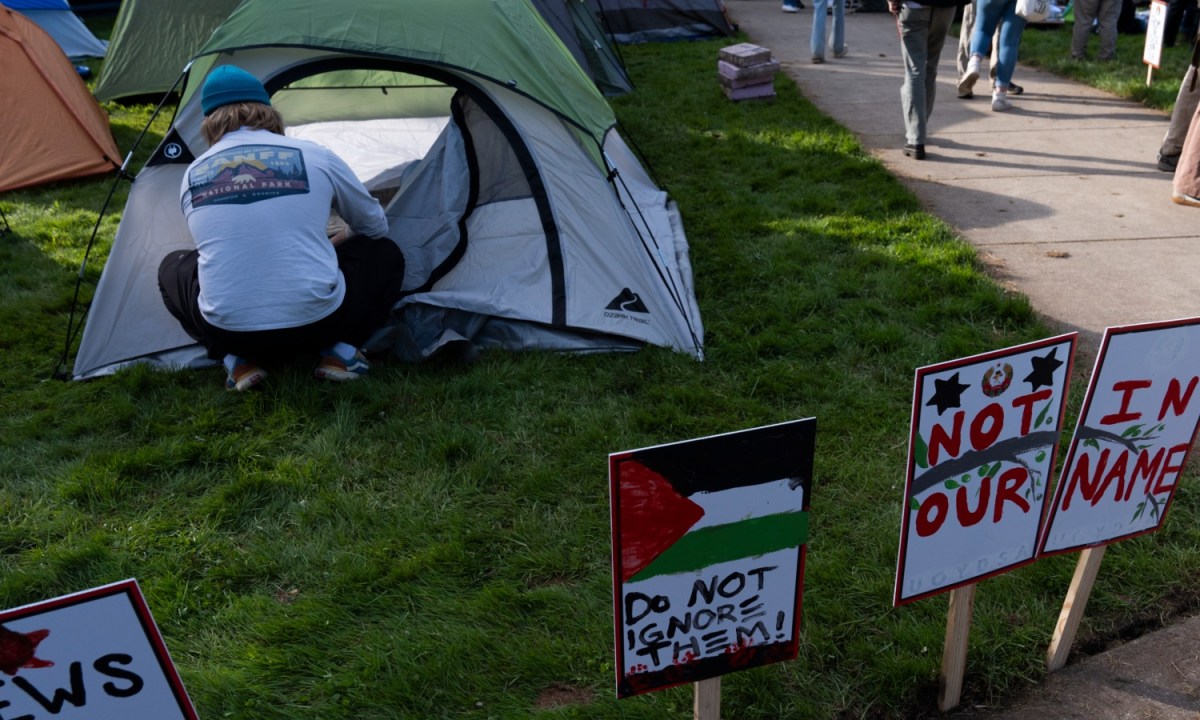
(722, 543)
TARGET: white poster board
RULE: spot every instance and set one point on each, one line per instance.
(708, 554)
(1155, 26)
(1133, 438)
(92, 655)
(983, 440)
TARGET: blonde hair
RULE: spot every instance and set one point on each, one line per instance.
(228, 118)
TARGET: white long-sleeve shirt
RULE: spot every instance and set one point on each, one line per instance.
(257, 205)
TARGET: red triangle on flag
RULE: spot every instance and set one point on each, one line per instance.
(652, 516)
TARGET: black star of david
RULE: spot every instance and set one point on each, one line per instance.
(947, 394)
(1043, 370)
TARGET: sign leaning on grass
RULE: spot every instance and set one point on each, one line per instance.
(1134, 435)
(984, 436)
(91, 655)
(708, 554)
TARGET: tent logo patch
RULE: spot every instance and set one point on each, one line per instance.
(248, 174)
(624, 303)
(628, 301)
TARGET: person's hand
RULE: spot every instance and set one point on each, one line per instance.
(340, 236)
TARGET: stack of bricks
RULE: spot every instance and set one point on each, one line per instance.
(747, 71)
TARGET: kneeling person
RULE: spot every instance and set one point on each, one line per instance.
(265, 280)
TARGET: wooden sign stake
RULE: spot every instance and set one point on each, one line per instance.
(1073, 606)
(954, 654)
(1149, 74)
(707, 705)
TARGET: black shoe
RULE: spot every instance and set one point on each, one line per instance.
(1015, 89)
(916, 152)
(1167, 163)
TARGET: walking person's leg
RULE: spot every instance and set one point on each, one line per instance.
(963, 55)
(1085, 17)
(1108, 13)
(839, 28)
(1181, 117)
(816, 42)
(914, 44)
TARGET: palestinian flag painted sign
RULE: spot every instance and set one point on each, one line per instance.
(1135, 433)
(708, 554)
(92, 655)
(985, 431)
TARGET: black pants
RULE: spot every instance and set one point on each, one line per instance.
(374, 273)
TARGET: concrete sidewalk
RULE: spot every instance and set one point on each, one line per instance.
(1060, 194)
(1063, 200)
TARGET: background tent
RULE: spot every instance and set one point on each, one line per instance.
(152, 41)
(577, 26)
(525, 221)
(62, 24)
(53, 128)
(635, 21)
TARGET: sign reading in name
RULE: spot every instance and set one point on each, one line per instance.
(981, 451)
(1135, 430)
(708, 554)
(93, 655)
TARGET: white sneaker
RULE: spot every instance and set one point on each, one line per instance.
(1000, 101)
(967, 82)
(790, 8)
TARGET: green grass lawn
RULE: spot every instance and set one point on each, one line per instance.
(434, 541)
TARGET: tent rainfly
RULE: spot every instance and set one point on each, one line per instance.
(152, 41)
(56, 131)
(62, 24)
(525, 220)
(637, 21)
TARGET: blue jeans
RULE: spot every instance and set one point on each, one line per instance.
(818, 27)
(922, 35)
(988, 15)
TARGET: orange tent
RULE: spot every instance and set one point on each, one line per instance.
(51, 128)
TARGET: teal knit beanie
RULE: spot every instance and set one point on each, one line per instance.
(230, 84)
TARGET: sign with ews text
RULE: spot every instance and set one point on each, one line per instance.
(92, 655)
(708, 554)
(984, 436)
(1133, 438)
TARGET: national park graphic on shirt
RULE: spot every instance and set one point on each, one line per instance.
(247, 174)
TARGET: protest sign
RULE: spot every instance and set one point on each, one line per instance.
(708, 554)
(1133, 438)
(1155, 26)
(92, 655)
(982, 446)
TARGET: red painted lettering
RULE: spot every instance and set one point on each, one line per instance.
(1025, 403)
(1011, 481)
(1178, 402)
(939, 439)
(1082, 477)
(1146, 466)
(1126, 388)
(1116, 472)
(932, 514)
(966, 516)
(1171, 467)
(993, 417)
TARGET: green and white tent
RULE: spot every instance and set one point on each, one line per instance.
(152, 41)
(525, 220)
